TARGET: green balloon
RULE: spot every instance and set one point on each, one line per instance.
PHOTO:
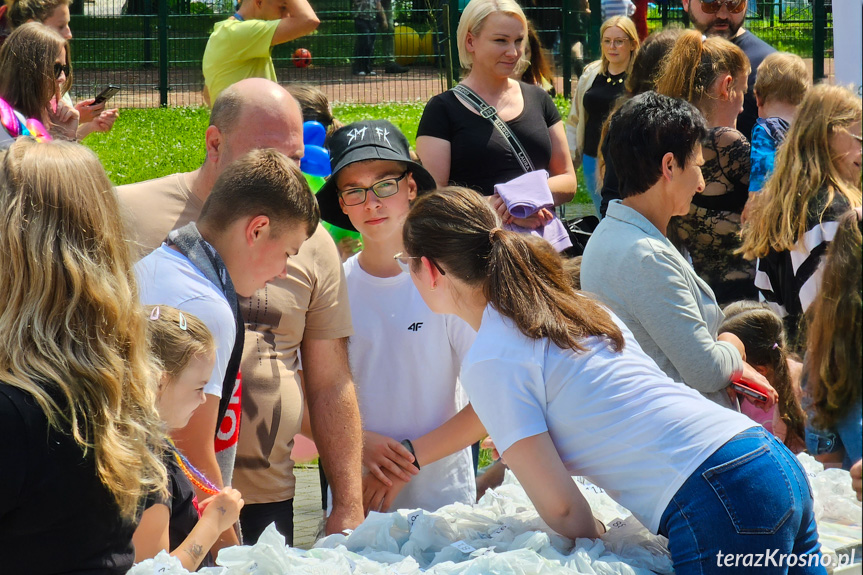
(337, 233)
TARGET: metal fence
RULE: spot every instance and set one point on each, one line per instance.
(153, 48)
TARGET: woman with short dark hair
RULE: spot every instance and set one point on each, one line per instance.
(671, 311)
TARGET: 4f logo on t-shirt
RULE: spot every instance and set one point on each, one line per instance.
(415, 326)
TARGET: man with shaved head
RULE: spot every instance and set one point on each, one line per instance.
(307, 311)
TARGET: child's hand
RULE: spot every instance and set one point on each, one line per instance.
(89, 110)
(64, 120)
(381, 452)
(222, 508)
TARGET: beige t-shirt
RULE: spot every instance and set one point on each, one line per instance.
(311, 303)
(154, 208)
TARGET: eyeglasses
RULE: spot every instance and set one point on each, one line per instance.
(382, 189)
(714, 6)
(616, 42)
(402, 259)
(61, 68)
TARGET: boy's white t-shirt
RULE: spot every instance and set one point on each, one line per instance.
(167, 277)
(405, 362)
(615, 418)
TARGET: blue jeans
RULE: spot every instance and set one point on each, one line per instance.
(750, 497)
(588, 166)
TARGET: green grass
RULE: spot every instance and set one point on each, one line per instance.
(149, 143)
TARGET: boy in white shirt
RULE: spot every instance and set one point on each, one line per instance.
(405, 359)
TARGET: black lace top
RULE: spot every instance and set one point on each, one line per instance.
(711, 230)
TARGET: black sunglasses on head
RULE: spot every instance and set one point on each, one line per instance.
(61, 68)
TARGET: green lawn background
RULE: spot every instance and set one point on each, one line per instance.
(153, 142)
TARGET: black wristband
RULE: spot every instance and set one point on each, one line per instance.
(410, 447)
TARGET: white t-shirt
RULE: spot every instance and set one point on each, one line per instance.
(167, 277)
(615, 418)
(405, 361)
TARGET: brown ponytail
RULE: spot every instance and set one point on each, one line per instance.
(521, 275)
(695, 63)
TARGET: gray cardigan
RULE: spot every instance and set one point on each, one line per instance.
(634, 270)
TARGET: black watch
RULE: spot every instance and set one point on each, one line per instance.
(410, 447)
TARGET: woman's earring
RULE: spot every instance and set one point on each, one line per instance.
(434, 286)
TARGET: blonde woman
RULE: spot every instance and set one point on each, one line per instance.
(77, 384)
(817, 179)
(601, 84)
(459, 146)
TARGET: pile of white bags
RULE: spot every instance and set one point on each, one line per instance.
(501, 534)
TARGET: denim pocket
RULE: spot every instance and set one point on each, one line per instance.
(754, 490)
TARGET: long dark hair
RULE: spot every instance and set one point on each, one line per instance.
(834, 356)
(27, 69)
(763, 335)
(519, 275)
(540, 67)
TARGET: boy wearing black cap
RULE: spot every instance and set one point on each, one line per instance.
(405, 359)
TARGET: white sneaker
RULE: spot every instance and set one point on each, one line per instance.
(373, 73)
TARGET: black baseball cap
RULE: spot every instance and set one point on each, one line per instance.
(360, 141)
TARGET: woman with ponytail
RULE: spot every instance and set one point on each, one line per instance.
(712, 75)
(564, 389)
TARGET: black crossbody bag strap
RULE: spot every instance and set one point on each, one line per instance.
(490, 114)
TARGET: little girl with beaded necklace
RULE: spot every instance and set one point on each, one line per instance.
(182, 525)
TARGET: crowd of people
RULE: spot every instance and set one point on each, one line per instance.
(168, 339)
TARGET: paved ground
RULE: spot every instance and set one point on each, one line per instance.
(307, 506)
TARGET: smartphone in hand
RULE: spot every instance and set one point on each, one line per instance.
(745, 388)
(106, 94)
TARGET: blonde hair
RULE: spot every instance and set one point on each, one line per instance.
(782, 77)
(805, 166)
(473, 18)
(27, 80)
(74, 335)
(628, 28)
(22, 11)
(177, 337)
(694, 64)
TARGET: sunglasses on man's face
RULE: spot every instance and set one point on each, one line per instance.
(714, 6)
(61, 69)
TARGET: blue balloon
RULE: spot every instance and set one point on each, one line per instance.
(314, 133)
(316, 161)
